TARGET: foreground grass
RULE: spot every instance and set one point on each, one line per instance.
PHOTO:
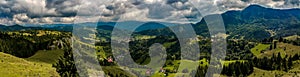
(12, 66)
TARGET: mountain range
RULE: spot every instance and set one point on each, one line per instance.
(254, 22)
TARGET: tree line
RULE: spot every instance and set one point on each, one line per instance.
(26, 46)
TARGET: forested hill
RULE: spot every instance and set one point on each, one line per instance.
(257, 22)
(257, 13)
(26, 43)
(252, 23)
(17, 27)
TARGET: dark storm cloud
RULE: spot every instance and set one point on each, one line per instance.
(64, 8)
(174, 1)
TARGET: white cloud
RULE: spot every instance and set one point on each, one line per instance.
(6, 21)
(67, 19)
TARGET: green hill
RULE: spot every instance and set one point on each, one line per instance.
(49, 56)
(259, 48)
(282, 48)
(12, 66)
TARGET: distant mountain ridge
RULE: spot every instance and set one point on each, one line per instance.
(253, 22)
(254, 12)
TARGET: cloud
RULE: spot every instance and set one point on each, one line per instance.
(23, 18)
(66, 11)
(64, 8)
(33, 8)
(160, 11)
(291, 3)
(40, 8)
(6, 21)
(37, 11)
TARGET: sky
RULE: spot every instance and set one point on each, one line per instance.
(68, 11)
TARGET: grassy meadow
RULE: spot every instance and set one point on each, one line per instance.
(12, 66)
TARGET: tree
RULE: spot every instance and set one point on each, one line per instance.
(271, 47)
(290, 63)
(66, 66)
(275, 45)
(271, 40)
(295, 57)
(201, 71)
(238, 69)
(185, 70)
(280, 39)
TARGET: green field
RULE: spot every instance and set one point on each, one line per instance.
(294, 37)
(37, 65)
(226, 63)
(260, 47)
(282, 48)
(294, 72)
(116, 70)
(47, 56)
(173, 65)
(12, 66)
(265, 73)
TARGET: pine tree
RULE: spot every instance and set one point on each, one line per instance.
(284, 65)
(280, 39)
(290, 63)
(271, 40)
(275, 45)
(271, 47)
(279, 58)
(66, 66)
(296, 57)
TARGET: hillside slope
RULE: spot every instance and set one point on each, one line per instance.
(12, 66)
(49, 56)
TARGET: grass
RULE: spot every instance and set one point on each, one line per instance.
(294, 72)
(264, 73)
(260, 47)
(169, 44)
(295, 68)
(294, 37)
(12, 66)
(143, 37)
(189, 65)
(116, 71)
(49, 56)
(283, 48)
(226, 63)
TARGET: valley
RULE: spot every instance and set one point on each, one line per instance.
(258, 44)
